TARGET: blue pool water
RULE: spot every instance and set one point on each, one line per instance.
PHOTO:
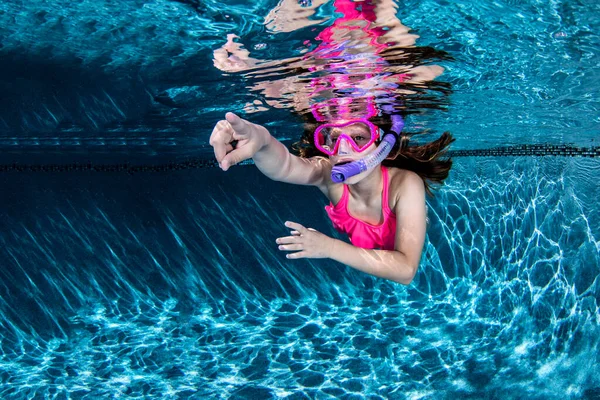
(166, 282)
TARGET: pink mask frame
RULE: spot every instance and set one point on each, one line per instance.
(331, 152)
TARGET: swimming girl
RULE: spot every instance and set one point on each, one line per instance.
(376, 184)
(379, 204)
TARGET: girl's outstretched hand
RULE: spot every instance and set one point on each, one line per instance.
(235, 140)
(306, 242)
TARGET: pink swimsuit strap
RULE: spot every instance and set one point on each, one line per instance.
(361, 233)
(385, 207)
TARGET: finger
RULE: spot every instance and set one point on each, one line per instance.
(296, 226)
(300, 254)
(311, 229)
(236, 156)
(219, 138)
(295, 233)
(291, 247)
(287, 240)
(240, 126)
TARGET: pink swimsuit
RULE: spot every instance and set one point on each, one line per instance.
(362, 234)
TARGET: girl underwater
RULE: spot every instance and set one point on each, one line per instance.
(382, 209)
(351, 150)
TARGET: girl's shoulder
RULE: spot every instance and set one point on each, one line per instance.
(402, 181)
(399, 178)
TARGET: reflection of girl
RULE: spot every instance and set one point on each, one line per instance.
(366, 42)
(377, 196)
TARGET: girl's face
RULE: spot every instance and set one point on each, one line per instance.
(347, 153)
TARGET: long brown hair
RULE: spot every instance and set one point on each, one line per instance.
(426, 160)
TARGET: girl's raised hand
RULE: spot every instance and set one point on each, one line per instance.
(235, 140)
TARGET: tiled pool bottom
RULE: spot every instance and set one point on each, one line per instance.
(100, 299)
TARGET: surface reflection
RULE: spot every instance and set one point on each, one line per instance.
(365, 55)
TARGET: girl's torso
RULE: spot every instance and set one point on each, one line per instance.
(372, 212)
(368, 224)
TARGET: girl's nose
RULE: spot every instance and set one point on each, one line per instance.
(345, 147)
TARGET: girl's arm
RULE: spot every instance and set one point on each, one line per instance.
(276, 162)
(270, 156)
(392, 265)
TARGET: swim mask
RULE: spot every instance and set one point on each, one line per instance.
(339, 173)
(358, 133)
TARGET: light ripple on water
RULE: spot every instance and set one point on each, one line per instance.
(506, 300)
